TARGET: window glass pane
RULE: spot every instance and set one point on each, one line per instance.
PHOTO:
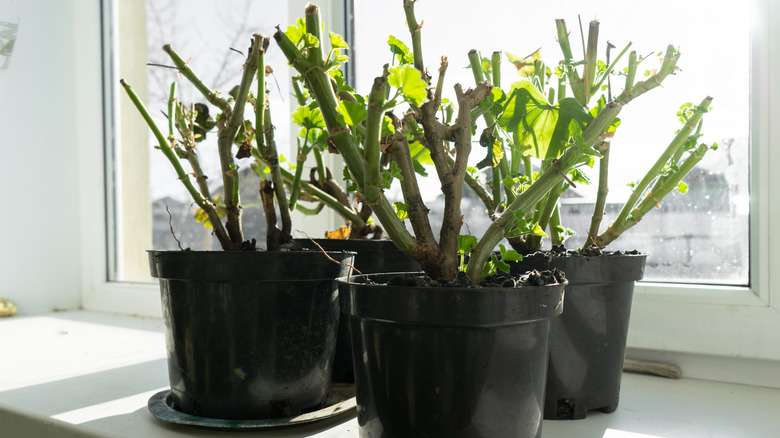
(701, 236)
(214, 37)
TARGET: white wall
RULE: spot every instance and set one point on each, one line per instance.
(49, 109)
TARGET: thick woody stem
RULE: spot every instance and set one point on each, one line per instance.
(452, 184)
(373, 176)
(276, 177)
(226, 137)
(417, 210)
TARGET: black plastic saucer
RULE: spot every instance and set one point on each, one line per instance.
(341, 399)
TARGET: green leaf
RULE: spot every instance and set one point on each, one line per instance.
(525, 66)
(600, 104)
(353, 112)
(487, 67)
(310, 40)
(578, 176)
(420, 153)
(682, 187)
(509, 255)
(393, 172)
(500, 264)
(586, 150)
(419, 168)
(337, 41)
(543, 129)
(525, 227)
(308, 118)
(296, 33)
(351, 184)
(466, 243)
(408, 80)
(401, 209)
(400, 50)
(341, 83)
(387, 126)
(490, 267)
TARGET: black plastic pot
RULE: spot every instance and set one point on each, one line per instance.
(449, 362)
(373, 256)
(588, 342)
(249, 335)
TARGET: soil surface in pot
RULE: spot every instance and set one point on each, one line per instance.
(591, 251)
(531, 278)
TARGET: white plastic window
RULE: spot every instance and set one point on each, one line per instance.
(703, 319)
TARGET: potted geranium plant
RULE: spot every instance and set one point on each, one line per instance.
(250, 334)
(427, 390)
(588, 342)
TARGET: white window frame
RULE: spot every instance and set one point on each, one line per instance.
(692, 319)
(732, 321)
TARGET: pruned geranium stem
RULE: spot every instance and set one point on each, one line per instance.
(418, 212)
(320, 195)
(186, 126)
(631, 70)
(668, 65)
(170, 154)
(373, 176)
(557, 233)
(227, 131)
(415, 30)
(601, 194)
(319, 85)
(495, 68)
(172, 112)
(186, 71)
(526, 201)
(340, 136)
(677, 143)
(266, 146)
(296, 183)
(660, 189)
(577, 84)
(591, 57)
(501, 168)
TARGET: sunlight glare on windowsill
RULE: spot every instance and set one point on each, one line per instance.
(614, 433)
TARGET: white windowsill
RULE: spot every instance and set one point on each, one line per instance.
(90, 374)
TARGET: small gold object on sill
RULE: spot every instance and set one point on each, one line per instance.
(7, 308)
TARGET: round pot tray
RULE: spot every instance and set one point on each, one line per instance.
(341, 399)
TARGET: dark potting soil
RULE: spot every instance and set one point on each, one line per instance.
(591, 251)
(502, 279)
